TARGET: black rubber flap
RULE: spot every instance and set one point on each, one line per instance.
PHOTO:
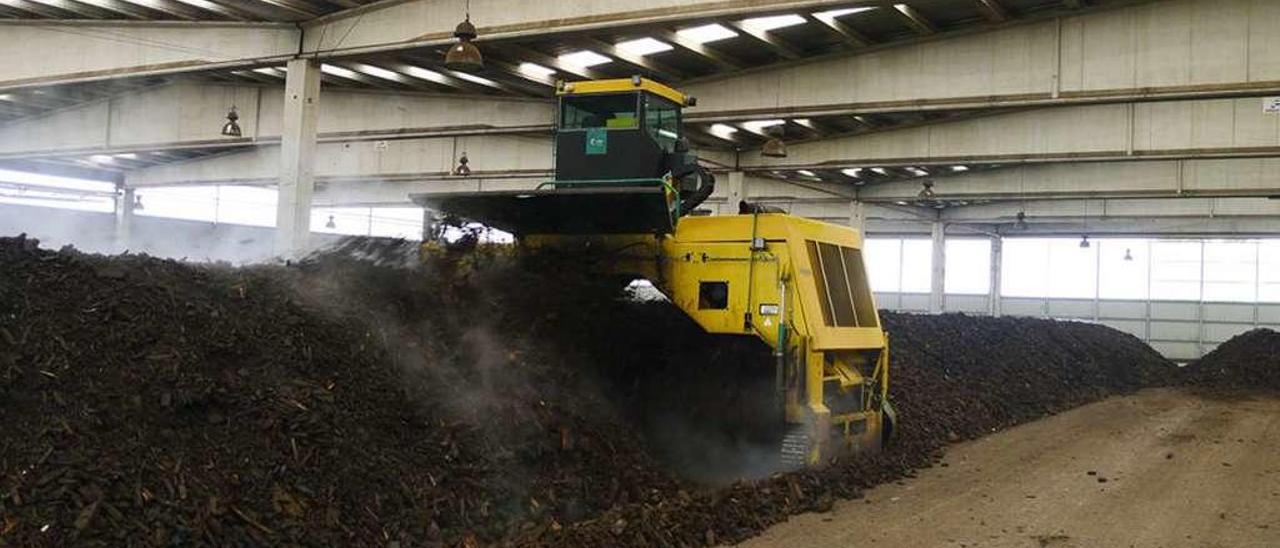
(614, 210)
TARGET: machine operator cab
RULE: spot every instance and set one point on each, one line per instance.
(627, 133)
(622, 166)
(618, 130)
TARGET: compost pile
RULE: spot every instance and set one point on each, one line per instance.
(332, 402)
(1249, 361)
(358, 398)
(954, 377)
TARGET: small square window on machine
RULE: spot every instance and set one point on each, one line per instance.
(713, 295)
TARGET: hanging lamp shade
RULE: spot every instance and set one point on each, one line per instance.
(463, 169)
(926, 191)
(331, 224)
(1021, 222)
(774, 148)
(232, 127)
(465, 30)
(464, 56)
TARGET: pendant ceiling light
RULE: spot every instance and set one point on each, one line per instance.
(1128, 254)
(775, 147)
(1084, 242)
(1021, 222)
(463, 169)
(926, 191)
(464, 56)
(232, 127)
(331, 224)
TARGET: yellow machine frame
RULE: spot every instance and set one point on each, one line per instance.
(801, 287)
(623, 85)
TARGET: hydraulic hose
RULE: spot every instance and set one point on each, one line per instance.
(696, 197)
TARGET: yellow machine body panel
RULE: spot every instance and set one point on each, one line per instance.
(800, 286)
(622, 85)
(797, 284)
(851, 322)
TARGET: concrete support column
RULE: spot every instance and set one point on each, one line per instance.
(938, 266)
(737, 191)
(297, 157)
(858, 217)
(124, 218)
(997, 263)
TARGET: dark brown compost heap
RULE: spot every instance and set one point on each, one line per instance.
(332, 403)
(482, 398)
(1249, 361)
(954, 377)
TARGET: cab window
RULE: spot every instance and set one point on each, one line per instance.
(596, 111)
(662, 121)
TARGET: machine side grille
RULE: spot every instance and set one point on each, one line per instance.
(842, 285)
(820, 278)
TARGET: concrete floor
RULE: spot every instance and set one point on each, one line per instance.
(1179, 470)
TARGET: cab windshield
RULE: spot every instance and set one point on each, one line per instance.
(662, 120)
(601, 111)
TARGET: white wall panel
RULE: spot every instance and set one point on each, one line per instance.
(1012, 306)
(1122, 309)
(1175, 331)
(1228, 312)
(1132, 327)
(1172, 43)
(1269, 313)
(1221, 332)
(917, 302)
(1174, 311)
(889, 301)
(1177, 351)
(972, 304)
(1061, 308)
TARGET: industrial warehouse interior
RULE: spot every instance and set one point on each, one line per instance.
(770, 273)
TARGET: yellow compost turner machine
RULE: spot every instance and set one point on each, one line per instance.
(625, 181)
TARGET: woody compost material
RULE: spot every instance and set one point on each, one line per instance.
(361, 398)
(1249, 361)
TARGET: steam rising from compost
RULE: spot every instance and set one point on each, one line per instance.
(472, 316)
